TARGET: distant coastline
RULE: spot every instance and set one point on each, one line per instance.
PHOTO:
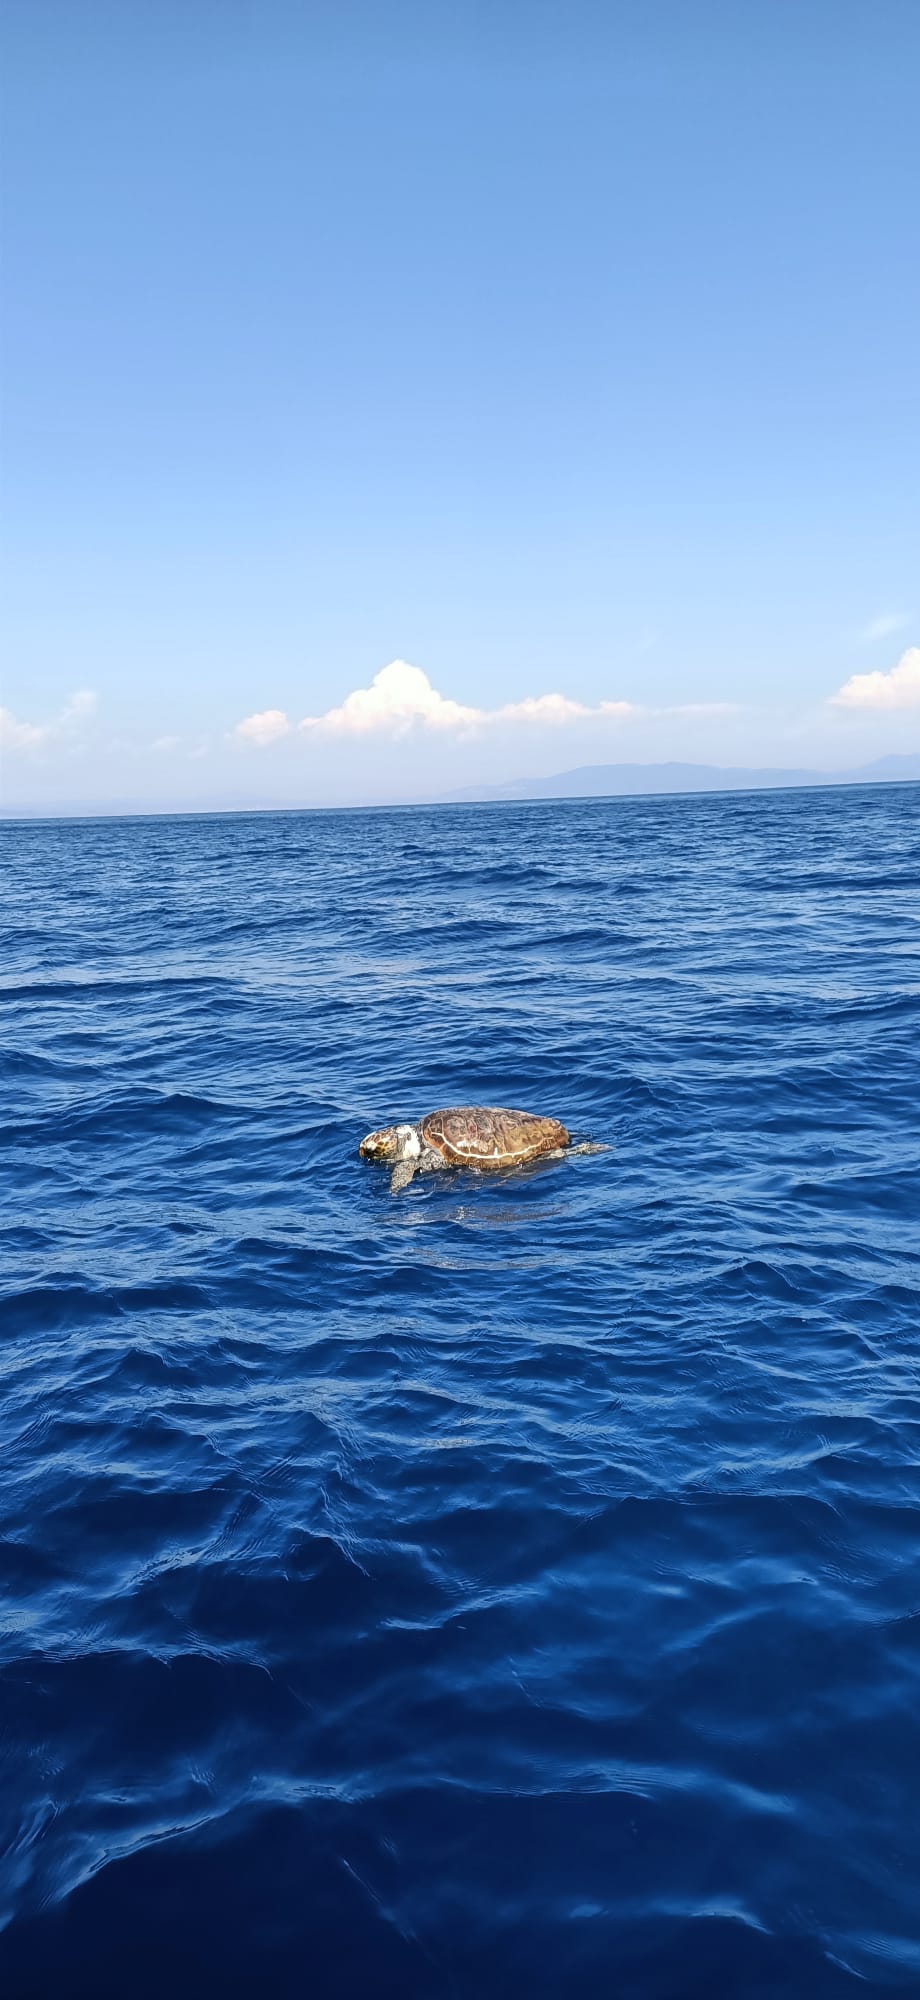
(587, 781)
(646, 780)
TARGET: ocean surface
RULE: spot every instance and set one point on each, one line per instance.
(509, 1587)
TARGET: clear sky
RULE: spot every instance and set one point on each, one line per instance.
(555, 349)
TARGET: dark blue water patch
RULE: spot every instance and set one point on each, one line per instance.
(509, 1585)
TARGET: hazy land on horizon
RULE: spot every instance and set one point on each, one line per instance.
(584, 781)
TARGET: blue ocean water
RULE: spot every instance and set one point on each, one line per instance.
(510, 1586)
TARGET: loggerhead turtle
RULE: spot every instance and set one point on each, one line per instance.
(469, 1135)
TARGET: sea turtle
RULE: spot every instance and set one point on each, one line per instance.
(469, 1135)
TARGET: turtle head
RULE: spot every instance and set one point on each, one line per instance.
(392, 1142)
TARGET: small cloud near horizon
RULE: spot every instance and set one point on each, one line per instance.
(16, 735)
(898, 688)
(266, 727)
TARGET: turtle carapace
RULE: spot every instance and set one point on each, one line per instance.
(469, 1135)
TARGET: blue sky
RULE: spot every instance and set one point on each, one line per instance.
(553, 349)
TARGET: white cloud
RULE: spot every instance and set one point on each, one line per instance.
(16, 735)
(266, 727)
(80, 704)
(899, 688)
(19, 735)
(554, 708)
(883, 626)
(398, 696)
(401, 696)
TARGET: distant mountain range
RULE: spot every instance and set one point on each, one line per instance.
(620, 780)
(587, 782)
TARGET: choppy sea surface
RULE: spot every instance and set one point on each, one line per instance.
(507, 1587)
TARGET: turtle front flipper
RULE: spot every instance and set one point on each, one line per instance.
(402, 1175)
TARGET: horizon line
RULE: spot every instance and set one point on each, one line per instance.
(831, 783)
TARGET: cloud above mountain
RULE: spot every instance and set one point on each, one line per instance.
(899, 688)
(401, 697)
